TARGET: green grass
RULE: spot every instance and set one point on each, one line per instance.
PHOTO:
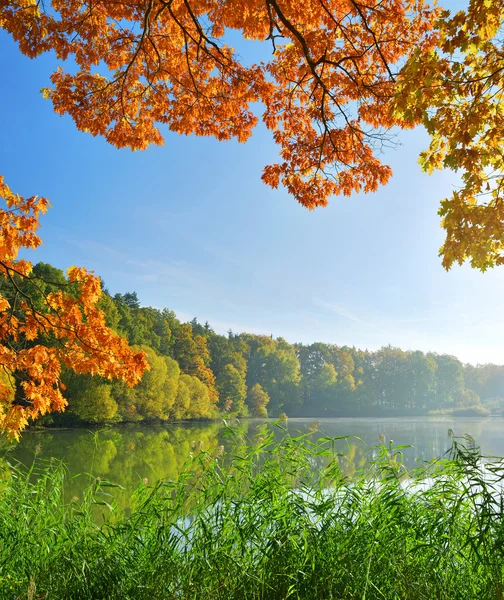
(275, 520)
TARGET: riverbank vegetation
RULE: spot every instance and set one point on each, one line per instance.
(196, 373)
(261, 523)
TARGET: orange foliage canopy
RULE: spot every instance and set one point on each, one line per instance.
(76, 328)
(326, 90)
(342, 73)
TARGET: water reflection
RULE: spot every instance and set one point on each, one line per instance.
(128, 455)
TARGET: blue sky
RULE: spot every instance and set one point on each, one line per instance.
(190, 226)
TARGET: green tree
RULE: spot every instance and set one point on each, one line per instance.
(391, 380)
(227, 351)
(201, 405)
(232, 389)
(180, 409)
(312, 359)
(422, 383)
(343, 396)
(155, 395)
(257, 400)
(449, 380)
(109, 308)
(95, 404)
(486, 380)
(275, 366)
(468, 398)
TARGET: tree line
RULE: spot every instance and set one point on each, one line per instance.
(337, 83)
(196, 373)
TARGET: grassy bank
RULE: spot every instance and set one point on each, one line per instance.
(462, 411)
(273, 521)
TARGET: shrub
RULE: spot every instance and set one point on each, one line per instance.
(470, 411)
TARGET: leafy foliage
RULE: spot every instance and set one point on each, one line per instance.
(342, 74)
(257, 400)
(47, 324)
(95, 404)
(328, 83)
(155, 395)
(257, 375)
(456, 91)
(263, 524)
(232, 389)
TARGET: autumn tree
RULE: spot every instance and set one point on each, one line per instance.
(326, 89)
(342, 73)
(191, 353)
(45, 325)
(456, 90)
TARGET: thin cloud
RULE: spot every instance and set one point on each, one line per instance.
(172, 273)
(215, 251)
(379, 323)
(341, 311)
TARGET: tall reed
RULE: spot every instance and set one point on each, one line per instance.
(274, 520)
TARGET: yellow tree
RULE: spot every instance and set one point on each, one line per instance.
(457, 91)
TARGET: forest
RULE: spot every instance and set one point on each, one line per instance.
(196, 373)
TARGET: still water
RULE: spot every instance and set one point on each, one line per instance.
(130, 454)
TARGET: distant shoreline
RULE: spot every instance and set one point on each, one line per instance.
(119, 425)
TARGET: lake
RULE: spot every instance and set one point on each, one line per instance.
(129, 454)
